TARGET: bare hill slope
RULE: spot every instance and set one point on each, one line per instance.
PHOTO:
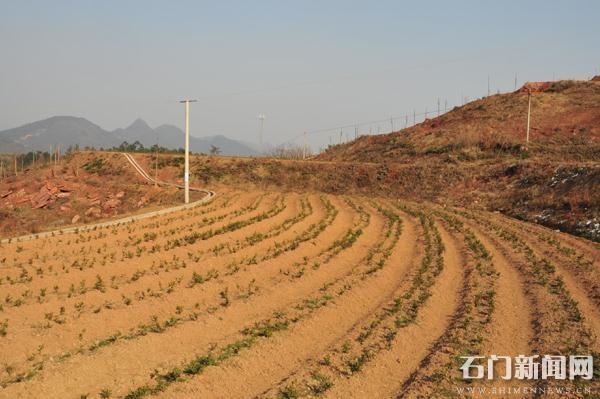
(565, 121)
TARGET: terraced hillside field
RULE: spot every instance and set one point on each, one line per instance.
(285, 295)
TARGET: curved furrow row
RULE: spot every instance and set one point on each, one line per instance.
(74, 243)
(228, 248)
(561, 327)
(513, 325)
(403, 345)
(146, 329)
(580, 279)
(91, 249)
(367, 338)
(300, 322)
(97, 305)
(469, 326)
(176, 341)
(579, 268)
(73, 283)
(288, 295)
(54, 317)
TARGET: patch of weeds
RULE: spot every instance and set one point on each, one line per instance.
(319, 384)
(288, 392)
(356, 364)
(99, 284)
(198, 364)
(196, 279)
(265, 328)
(94, 166)
(346, 347)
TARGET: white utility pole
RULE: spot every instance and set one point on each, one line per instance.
(261, 118)
(304, 150)
(186, 173)
(156, 164)
(528, 116)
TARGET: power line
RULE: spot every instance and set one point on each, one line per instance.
(356, 125)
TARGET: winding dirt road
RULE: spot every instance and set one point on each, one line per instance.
(93, 226)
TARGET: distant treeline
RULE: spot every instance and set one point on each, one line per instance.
(13, 163)
(125, 146)
(136, 146)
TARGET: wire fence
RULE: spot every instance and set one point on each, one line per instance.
(340, 134)
(379, 126)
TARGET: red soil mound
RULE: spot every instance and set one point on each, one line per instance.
(535, 87)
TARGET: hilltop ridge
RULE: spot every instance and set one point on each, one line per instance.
(565, 120)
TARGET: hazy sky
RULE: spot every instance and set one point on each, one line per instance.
(305, 64)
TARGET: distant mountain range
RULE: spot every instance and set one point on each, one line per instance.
(70, 131)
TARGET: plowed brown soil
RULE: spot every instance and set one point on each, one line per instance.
(282, 295)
